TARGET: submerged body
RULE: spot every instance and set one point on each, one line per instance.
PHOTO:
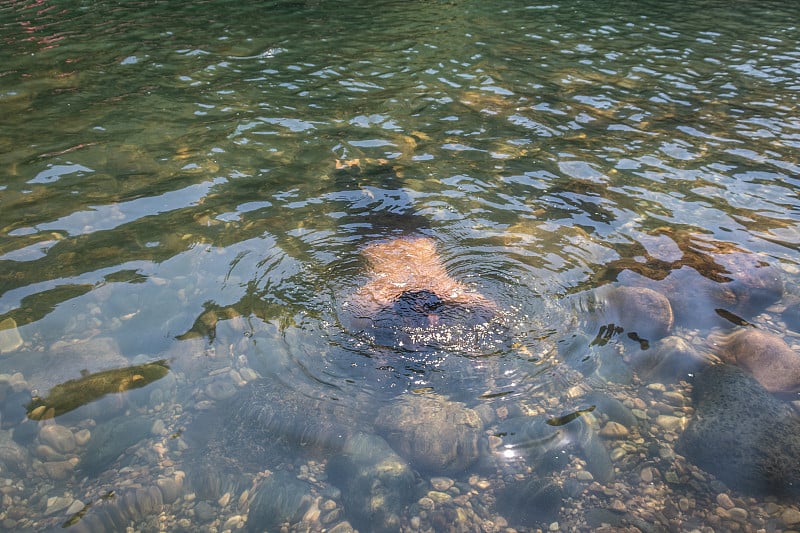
(411, 302)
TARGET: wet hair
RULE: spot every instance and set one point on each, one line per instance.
(420, 320)
(413, 308)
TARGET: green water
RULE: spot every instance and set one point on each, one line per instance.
(194, 182)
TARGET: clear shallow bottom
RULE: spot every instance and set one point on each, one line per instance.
(200, 193)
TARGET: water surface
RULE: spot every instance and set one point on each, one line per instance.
(195, 184)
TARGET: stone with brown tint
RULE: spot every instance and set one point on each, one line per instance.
(640, 311)
(764, 355)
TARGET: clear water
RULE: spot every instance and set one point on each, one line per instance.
(195, 183)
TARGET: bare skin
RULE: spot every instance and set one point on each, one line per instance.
(409, 265)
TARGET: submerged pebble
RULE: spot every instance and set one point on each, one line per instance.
(58, 437)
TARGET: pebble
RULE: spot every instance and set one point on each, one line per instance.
(38, 413)
(617, 454)
(646, 474)
(439, 497)
(57, 437)
(170, 489)
(584, 475)
(328, 505)
(674, 398)
(479, 483)
(790, 516)
(224, 499)
(725, 501)
(76, 507)
(684, 504)
(614, 430)
(82, 437)
(670, 423)
(46, 453)
(738, 514)
(248, 374)
(234, 522)
(58, 469)
(56, 504)
(426, 503)
(441, 483)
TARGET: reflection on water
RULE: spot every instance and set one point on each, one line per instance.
(332, 266)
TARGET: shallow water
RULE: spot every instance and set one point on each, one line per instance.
(195, 184)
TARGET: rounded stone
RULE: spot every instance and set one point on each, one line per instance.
(755, 284)
(439, 497)
(170, 489)
(47, 453)
(426, 503)
(614, 430)
(57, 503)
(58, 437)
(234, 522)
(441, 483)
(738, 514)
(436, 434)
(764, 355)
(670, 359)
(640, 311)
(58, 469)
(725, 501)
(790, 516)
(670, 423)
(82, 437)
(328, 505)
(75, 507)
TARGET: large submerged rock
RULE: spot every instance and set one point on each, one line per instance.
(641, 312)
(742, 434)
(376, 483)
(435, 434)
(669, 360)
(766, 356)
